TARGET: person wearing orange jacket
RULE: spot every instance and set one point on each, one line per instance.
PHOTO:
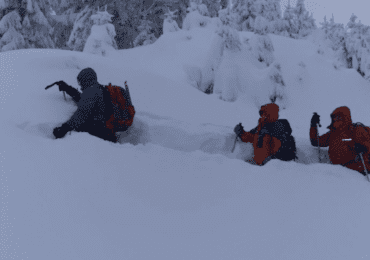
(346, 140)
(271, 138)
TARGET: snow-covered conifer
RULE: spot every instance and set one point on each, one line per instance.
(245, 12)
(101, 40)
(197, 5)
(289, 21)
(263, 48)
(213, 6)
(358, 46)
(27, 18)
(230, 36)
(81, 30)
(10, 28)
(195, 17)
(325, 26)
(304, 21)
(277, 91)
(146, 35)
(169, 24)
(227, 17)
(261, 25)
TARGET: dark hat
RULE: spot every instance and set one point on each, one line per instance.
(86, 78)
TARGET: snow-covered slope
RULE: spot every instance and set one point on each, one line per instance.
(172, 189)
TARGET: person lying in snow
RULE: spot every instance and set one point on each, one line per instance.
(101, 110)
(345, 139)
(272, 138)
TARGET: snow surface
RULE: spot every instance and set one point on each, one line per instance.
(172, 189)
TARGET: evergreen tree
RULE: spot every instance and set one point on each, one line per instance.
(213, 6)
(10, 30)
(197, 5)
(358, 46)
(29, 19)
(245, 13)
(227, 17)
(325, 26)
(81, 30)
(101, 40)
(289, 21)
(229, 35)
(304, 21)
(146, 35)
(261, 43)
(196, 15)
(169, 24)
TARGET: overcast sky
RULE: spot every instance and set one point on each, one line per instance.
(342, 9)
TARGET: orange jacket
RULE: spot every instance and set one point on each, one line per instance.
(271, 145)
(342, 151)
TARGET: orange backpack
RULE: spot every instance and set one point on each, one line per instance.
(123, 110)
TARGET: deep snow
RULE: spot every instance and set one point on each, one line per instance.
(172, 189)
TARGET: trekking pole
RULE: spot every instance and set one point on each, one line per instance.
(318, 141)
(318, 146)
(367, 174)
(236, 138)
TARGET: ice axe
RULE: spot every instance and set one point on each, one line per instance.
(56, 83)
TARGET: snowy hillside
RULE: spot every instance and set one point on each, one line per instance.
(172, 189)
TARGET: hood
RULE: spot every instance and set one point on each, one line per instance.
(86, 78)
(270, 112)
(345, 116)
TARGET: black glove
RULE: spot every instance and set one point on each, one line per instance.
(62, 85)
(239, 130)
(315, 120)
(60, 132)
(359, 148)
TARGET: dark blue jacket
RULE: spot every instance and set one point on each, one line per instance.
(93, 108)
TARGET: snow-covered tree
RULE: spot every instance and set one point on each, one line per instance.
(29, 19)
(227, 31)
(358, 46)
(277, 91)
(304, 21)
(230, 36)
(169, 24)
(325, 26)
(245, 12)
(271, 11)
(336, 36)
(289, 21)
(81, 30)
(213, 6)
(334, 32)
(197, 5)
(36, 28)
(146, 35)
(263, 48)
(101, 40)
(196, 16)
(261, 25)
(10, 29)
